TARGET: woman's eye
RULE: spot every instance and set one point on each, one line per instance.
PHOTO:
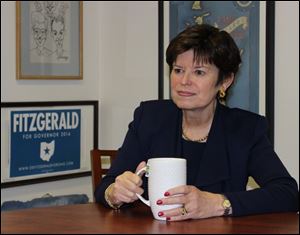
(199, 72)
(177, 71)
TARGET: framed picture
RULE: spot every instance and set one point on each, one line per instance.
(46, 141)
(251, 24)
(49, 39)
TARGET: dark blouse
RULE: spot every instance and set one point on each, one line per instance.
(192, 152)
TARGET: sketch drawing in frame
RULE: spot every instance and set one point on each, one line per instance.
(49, 39)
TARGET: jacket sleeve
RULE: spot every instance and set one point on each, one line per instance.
(278, 191)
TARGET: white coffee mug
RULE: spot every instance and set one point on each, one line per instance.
(163, 174)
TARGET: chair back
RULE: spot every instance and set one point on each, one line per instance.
(100, 163)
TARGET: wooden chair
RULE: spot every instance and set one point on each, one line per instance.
(100, 163)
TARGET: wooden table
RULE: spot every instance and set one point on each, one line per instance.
(93, 218)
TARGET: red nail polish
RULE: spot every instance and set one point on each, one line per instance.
(167, 194)
(160, 213)
(168, 218)
(159, 202)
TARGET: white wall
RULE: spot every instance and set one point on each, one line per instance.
(120, 70)
(128, 64)
(287, 85)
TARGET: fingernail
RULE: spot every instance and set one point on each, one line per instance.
(159, 202)
(168, 218)
(160, 213)
(167, 194)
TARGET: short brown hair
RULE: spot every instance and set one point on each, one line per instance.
(210, 45)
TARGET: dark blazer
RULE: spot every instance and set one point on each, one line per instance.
(237, 147)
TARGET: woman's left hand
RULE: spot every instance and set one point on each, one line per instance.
(198, 204)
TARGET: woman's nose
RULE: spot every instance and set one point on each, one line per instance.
(186, 80)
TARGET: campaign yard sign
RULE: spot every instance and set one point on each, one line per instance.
(44, 141)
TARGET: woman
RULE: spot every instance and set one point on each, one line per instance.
(223, 146)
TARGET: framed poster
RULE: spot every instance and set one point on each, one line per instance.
(251, 24)
(43, 141)
(49, 39)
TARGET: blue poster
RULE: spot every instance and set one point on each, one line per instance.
(241, 20)
(44, 141)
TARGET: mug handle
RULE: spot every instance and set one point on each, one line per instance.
(144, 169)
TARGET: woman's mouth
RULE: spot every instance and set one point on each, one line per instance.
(185, 93)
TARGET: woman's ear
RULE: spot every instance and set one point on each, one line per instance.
(227, 82)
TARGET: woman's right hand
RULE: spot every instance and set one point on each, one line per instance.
(125, 187)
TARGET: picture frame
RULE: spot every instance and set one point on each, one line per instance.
(49, 40)
(258, 45)
(47, 141)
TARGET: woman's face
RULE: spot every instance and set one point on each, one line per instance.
(193, 86)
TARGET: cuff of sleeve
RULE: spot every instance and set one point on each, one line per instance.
(115, 207)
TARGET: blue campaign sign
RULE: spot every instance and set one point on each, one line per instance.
(44, 141)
